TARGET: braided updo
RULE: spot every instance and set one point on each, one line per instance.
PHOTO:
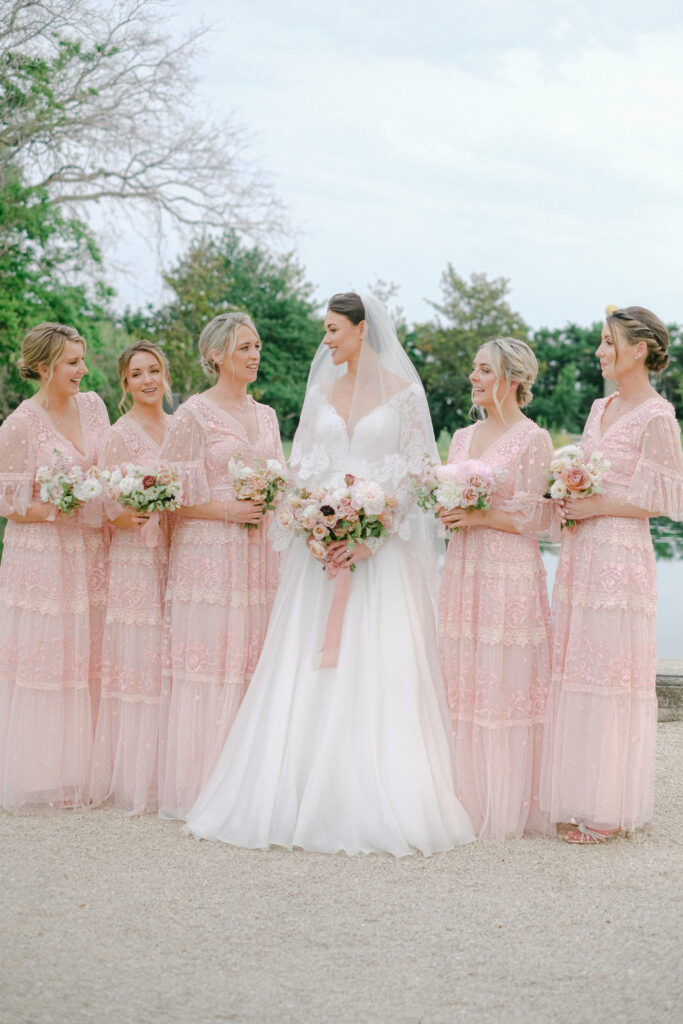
(634, 324)
(220, 336)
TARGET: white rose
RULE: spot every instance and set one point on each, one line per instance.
(559, 490)
(274, 467)
(128, 484)
(86, 490)
(116, 477)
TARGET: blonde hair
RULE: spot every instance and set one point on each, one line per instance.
(636, 324)
(513, 361)
(124, 363)
(45, 343)
(220, 335)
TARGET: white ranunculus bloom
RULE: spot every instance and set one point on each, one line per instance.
(85, 490)
(559, 490)
(128, 484)
(116, 477)
(274, 467)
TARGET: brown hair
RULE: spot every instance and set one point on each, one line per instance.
(636, 324)
(45, 343)
(124, 363)
(349, 304)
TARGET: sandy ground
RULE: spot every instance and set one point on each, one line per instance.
(109, 919)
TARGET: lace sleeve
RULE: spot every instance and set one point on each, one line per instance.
(416, 441)
(184, 447)
(657, 481)
(114, 453)
(17, 469)
(530, 511)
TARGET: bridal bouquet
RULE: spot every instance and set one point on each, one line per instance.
(355, 513)
(467, 485)
(262, 483)
(66, 486)
(571, 476)
(147, 491)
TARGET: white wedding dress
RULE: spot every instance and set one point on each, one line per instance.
(356, 757)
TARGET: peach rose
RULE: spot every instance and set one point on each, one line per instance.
(576, 478)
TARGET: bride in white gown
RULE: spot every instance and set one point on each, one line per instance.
(356, 757)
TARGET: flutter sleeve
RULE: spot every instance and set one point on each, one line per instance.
(530, 511)
(657, 480)
(185, 448)
(17, 468)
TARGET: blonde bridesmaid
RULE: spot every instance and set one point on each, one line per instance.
(222, 576)
(52, 584)
(493, 610)
(125, 759)
(600, 746)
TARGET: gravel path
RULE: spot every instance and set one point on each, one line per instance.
(127, 921)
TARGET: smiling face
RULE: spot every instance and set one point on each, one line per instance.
(242, 366)
(342, 337)
(484, 382)
(145, 379)
(66, 372)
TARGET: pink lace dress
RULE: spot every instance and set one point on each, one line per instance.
(494, 631)
(600, 742)
(52, 601)
(125, 757)
(221, 585)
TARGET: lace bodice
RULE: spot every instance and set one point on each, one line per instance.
(202, 439)
(523, 456)
(386, 446)
(28, 439)
(644, 451)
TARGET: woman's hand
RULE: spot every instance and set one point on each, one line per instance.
(457, 517)
(244, 512)
(574, 509)
(37, 512)
(130, 519)
(339, 554)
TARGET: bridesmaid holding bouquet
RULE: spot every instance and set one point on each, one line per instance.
(493, 609)
(600, 743)
(125, 758)
(52, 579)
(223, 571)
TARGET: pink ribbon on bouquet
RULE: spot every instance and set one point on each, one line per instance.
(151, 531)
(329, 656)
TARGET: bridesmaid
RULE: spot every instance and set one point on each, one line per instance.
(125, 759)
(600, 745)
(52, 584)
(493, 608)
(222, 576)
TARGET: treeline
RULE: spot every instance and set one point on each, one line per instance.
(223, 273)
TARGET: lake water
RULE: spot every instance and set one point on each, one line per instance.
(668, 541)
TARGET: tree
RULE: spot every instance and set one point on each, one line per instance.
(97, 103)
(475, 311)
(569, 378)
(221, 274)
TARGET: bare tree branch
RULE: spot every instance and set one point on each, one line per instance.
(97, 105)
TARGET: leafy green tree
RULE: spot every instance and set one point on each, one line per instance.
(569, 378)
(474, 311)
(220, 274)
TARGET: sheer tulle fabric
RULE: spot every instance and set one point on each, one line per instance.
(357, 757)
(221, 585)
(600, 743)
(52, 600)
(125, 756)
(494, 629)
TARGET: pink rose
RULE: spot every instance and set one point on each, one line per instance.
(149, 481)
(469, 496)
(576, 478)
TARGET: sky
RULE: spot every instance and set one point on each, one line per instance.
(538, 141)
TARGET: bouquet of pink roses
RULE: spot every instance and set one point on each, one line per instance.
(572, 476)
(466, 485)
(354, 513)
(66, 486)
(262, 483)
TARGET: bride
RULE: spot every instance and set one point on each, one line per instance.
(354, 757)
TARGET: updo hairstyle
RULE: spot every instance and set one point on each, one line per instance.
(124, 363)
(220, 335)
(349, 304)
(636, 324)
(45, 344)
(514, 362)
